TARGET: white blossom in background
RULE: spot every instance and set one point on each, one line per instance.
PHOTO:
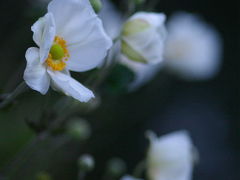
(128, 177)
(70, 37)
(170, 157)
(193, 48)
(143, 36)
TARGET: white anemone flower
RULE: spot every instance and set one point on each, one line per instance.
(128, 177)
(143, 37)
(193, 48)
(70, 37)
(170, 157)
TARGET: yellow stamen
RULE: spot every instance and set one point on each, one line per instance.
(58, 54)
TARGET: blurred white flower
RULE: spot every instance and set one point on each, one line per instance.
(111, 18)
(70, 37)
(143, 72)
(170, 157)
(143, 37)
(127, 177)
(193, 48)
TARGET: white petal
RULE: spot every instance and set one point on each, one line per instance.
(86, 39)
(70, 86)
(35, 73)
(89, 54)
(74, 19)
(170, 157)
(44, 31)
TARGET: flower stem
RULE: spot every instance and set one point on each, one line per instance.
(8, 98)
(81, 175)
(108, 65)
(152, 4)
(139, 169)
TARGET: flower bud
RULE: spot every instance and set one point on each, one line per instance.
(86, 163)
(96, 4)
(143, 37)
(78, 129)
(116, 167)
(43, 176)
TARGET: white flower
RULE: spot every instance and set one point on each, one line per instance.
(170, 157)
(143, 72)
(193, 48)
(70, 37)
(127, 177)
(143, 37)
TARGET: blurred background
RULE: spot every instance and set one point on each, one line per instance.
(209, 110)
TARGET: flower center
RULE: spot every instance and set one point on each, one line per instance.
(58, 55)
(57, 52)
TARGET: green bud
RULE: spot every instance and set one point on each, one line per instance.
(43, 176)
(131, 54)
(135, 26)
(116, 167)
(57, 52)
(96, 4)
(78, 129)
(86, 163)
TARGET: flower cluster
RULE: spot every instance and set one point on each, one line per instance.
(78, 36)
(71, 37)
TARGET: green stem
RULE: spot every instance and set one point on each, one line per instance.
(152, 5)
(139, 169)
(107, 67)
(10, 97)
(81, 175)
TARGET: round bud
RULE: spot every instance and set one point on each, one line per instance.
(43, 176)
(116, 167)
(78, 129)
(86, 163)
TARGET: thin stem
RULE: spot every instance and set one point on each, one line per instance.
(139, 169)
(22, 156)
(10, 97)
(110, 62)
(152, 4)
(81, 175)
